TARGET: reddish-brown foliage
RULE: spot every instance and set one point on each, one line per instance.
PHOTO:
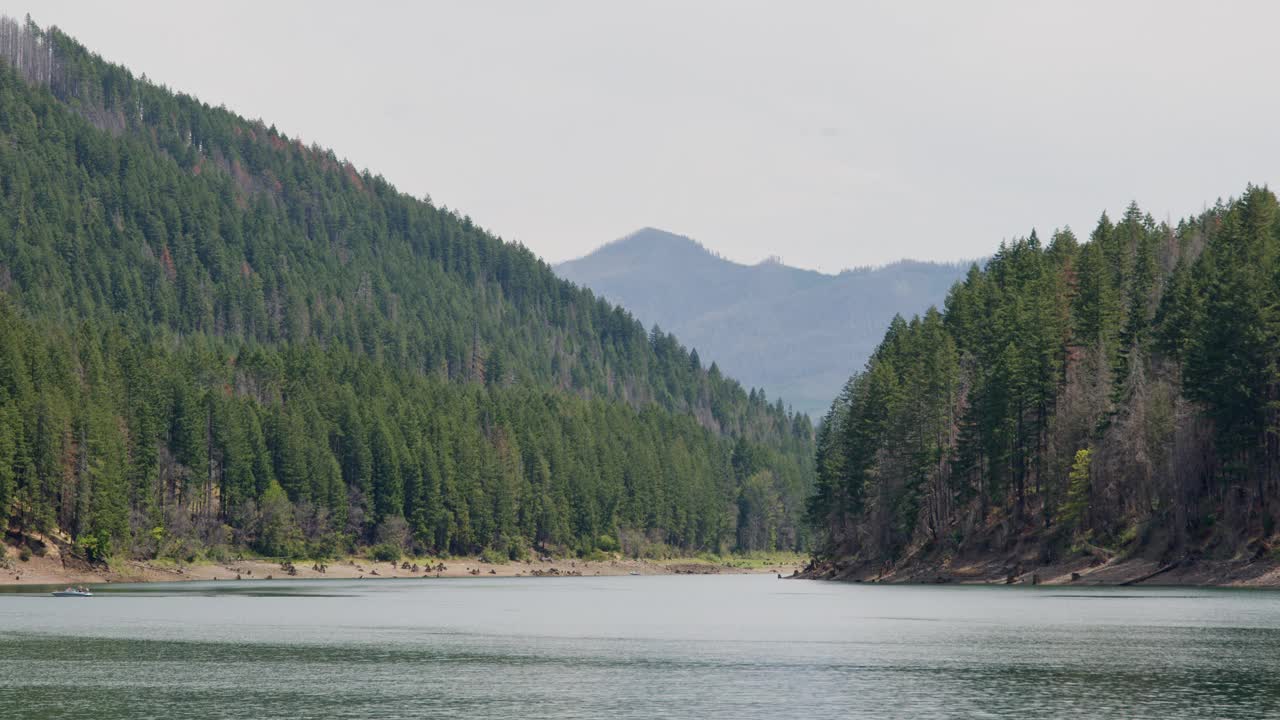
(166, 262)
(354, 176)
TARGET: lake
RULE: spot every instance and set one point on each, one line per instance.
(737, 646)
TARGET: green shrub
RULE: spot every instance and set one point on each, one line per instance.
(384, 552)
(608, 544)
(519, 553)
(24, 554)
(218, 553)
(493, 556)
(1128, 535)
(326, 547)
(657, 551)
(94, 547)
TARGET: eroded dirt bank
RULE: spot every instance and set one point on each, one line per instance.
(1079, 571)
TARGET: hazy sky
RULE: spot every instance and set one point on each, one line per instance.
(831, 134)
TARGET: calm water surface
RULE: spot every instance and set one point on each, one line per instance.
(737, 647)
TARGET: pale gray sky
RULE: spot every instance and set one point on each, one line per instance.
(832, 134)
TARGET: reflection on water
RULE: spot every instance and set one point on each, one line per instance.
(637, 647)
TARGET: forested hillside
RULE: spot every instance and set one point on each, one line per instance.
(212, 335)
(797, 332)
(1117, 396)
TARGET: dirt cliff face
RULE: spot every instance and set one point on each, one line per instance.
(1084, 569)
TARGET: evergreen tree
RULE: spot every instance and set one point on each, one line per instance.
(206, 325)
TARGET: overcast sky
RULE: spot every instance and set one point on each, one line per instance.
(831, 134)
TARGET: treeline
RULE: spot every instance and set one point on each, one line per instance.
(1120, 393)
(170, 447)
(216, 333)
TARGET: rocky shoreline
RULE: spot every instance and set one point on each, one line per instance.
(1083, 571)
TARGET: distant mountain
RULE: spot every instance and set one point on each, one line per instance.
(796, 333)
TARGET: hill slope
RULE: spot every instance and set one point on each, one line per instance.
(796, 333)
(1074, 403)
(213, 335)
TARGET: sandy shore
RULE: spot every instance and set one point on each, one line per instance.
(54, 569)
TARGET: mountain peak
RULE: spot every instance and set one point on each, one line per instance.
(797, 333)
(650, 248)
(657, 239)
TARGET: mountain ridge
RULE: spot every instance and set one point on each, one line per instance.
(757, 322)
(214, 337)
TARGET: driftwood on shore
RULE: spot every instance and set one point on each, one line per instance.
(1164, 569)
(1099, 553)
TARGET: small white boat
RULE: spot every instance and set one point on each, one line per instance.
(73, 592)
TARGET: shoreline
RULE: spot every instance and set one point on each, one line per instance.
(1080, 572)
(56, 569)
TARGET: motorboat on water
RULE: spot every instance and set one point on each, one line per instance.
(73, 592)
